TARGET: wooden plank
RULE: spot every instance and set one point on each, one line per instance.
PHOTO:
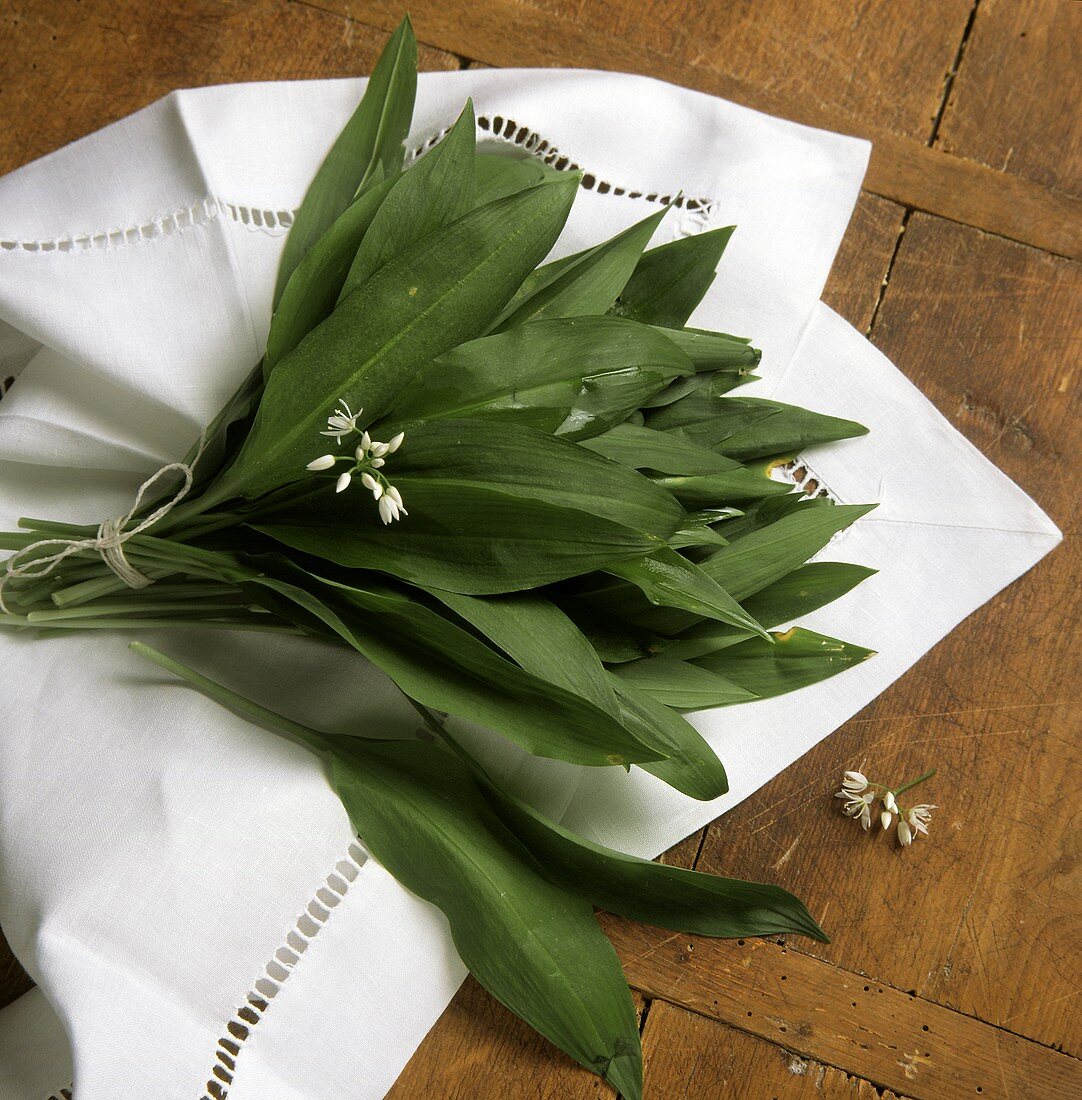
(478, 1048)
(514, 33)
(863, 260)
(688, 1057)
(984, 916)
(1027, 127)
(66, 70)
(894, 1039)
(863, 60)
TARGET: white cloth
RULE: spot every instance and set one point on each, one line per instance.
(155, 851)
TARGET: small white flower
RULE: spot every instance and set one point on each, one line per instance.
(866, 816)
(343, 482)
(388, 510)
(366, 443)
(395, 443)
(370, 483)
(854, 783)
(324, 462)
(342, 421)
(395, 495)
(889, 803)
(376, 463)
(379, 449)
(905, 834)
(919, 816)
(885, 820)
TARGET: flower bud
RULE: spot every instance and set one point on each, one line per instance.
(324, 462)
(395, 443)
(905, 833)
(343, 482)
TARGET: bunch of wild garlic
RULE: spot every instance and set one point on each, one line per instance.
(523, 492)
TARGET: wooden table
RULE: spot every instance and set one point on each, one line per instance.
(953, 969)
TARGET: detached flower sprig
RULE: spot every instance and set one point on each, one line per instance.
(366, 463)
(860, 795)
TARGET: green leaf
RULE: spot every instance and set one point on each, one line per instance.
(798, 658)
(535, 947)
(751, 427)
(670, 281)
(501, 174)
(443, 666)
(374, 135)
(796, 594)
(492, 508)
(654, 893)
(692, 767)
(583, 284)
(711, 351)
(536, 634)
(435, 191)
(313, 288)
(749, 564)
(668, 579)
(738, 484)
(665, 452)
(681, 685)
(535, 374)
(440, 292)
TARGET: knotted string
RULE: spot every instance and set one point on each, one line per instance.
(111, 537)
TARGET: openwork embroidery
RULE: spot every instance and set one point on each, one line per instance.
(274, 222)
(798, 473)
(278, 969)
(514, 133)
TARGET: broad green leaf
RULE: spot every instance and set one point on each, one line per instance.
(465, 538)
(374, 135)
(668, 579)
(445, 667)
(796, 594)
(670, 281)
(738, 484)
(665, 452)
(313, 288)
(492, 508)
(534, 375)
(711, 351)
(751, 427)
(440, 292)
(502, 174)
(535, 947)
(585, 284)
(681, 685)
(654, 893)
(436, 190)
(749, 564)
(536, 634)
(798, 658)
(692, 767)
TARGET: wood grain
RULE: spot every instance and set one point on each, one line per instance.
(867, 1028)
(688, 1057)
(478, 1048)
(67, 69)
(902, 168)
(1015, 106)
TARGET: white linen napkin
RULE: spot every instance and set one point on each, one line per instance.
(183, 887)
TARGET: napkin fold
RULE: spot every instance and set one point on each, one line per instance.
(183, 887)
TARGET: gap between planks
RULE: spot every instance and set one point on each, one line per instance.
(902, 169)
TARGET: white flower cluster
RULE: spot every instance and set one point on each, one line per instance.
(368, 460)
(859, 795)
